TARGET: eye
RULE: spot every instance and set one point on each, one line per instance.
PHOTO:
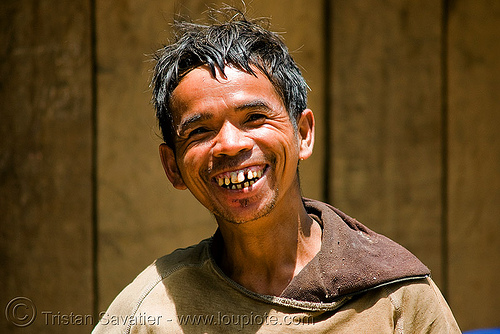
(198, 131)
(256, 118)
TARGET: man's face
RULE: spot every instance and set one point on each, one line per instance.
(236, 149)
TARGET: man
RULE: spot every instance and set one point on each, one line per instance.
(231, 104)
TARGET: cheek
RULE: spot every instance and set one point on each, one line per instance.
(193, 162)
(280, 140)
(282, 150)
(189, 165)
(276, 132)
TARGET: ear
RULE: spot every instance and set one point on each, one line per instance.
(305, 129)
(169, 163)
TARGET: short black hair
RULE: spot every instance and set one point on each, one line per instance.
(235, 41)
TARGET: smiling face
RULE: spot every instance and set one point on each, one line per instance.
(236, 148)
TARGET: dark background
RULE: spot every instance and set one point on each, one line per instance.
(405, 95)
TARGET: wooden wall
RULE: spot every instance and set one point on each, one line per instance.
(46, 161)
(406, 99)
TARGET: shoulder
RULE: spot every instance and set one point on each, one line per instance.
(419, 306)
(191, 256)
(165, 266)
(148, 285)
(408, 306)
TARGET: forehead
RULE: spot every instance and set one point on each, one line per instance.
(199, 91)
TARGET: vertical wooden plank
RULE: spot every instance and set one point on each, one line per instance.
(474, 162)
(301, 26)
(141, 216)
(387, 120)
(45, 162)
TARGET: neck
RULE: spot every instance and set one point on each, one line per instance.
(265, 254)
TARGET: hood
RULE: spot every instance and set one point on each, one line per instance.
(352, 259)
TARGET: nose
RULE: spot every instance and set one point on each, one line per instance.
(231, 141)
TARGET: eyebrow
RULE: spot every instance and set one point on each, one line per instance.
(188, 122)
(257, 104)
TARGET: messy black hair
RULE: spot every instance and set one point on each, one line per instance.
(235, 41)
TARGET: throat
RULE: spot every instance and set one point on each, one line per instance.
(267, 263)
(267, 283)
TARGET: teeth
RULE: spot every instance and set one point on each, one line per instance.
(234, 177)
(239, 179)
(241, 176)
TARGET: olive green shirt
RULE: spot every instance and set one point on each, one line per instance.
(360, 282)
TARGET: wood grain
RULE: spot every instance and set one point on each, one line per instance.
(474, 162)
(141, 216)
(386, 111)
(45, 160)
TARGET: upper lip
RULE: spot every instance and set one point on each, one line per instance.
(234, 169)
(244, 176)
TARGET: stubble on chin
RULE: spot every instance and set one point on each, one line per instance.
(227, 217)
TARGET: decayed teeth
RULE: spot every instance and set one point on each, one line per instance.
(239, 179)
(234, 177)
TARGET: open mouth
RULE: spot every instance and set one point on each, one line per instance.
(240, 179)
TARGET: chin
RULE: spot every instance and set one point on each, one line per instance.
(245, 214)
